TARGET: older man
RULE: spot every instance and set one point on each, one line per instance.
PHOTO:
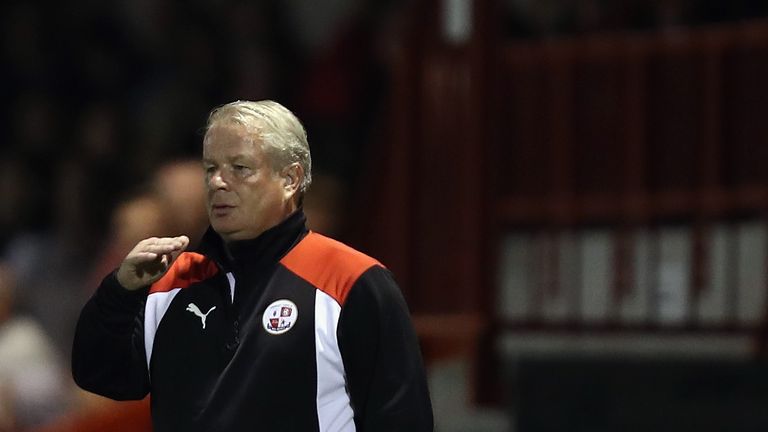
(268, 326)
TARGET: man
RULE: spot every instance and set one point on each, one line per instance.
(268, 326)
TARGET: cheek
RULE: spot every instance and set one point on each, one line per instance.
(208, 201)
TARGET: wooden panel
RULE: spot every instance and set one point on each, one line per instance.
(628, 131)
(674, 115)
(521, 123)
(745, 110)
(448, 187)
(599, 101)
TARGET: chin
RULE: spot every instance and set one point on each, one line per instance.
(224, 230)
(229, 233)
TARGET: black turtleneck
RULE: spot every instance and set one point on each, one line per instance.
(253, 257)
(267, 248)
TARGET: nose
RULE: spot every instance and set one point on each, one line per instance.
(216, 180)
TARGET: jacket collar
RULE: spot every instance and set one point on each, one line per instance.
(266, 249)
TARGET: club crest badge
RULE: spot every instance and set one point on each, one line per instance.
(280, 316)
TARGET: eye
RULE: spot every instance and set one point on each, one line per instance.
(241, 169)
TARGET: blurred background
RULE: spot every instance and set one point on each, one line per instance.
(571, 193)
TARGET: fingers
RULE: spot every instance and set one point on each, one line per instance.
(163, 244)
(175, 253)
(184, 242)
(149, 260)
(152, 248)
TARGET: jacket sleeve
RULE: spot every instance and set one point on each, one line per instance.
(384, 370)
(108, 351)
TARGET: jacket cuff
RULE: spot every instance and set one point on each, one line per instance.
(111, 293)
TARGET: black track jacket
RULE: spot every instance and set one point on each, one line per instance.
(291, 331)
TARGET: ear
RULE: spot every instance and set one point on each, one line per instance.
(293, 177)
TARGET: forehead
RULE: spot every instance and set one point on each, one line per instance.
(229, 140)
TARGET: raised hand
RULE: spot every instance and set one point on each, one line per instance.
(149, 260)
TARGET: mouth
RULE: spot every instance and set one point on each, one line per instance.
(220, 210)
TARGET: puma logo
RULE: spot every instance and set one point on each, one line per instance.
(196, 310)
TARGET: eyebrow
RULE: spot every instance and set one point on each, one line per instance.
(232, 159)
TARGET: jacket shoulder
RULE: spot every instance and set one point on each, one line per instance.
(189, 268)
(327, 264)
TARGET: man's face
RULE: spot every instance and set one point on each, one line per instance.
(245, 196)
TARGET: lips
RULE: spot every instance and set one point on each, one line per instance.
(219, 210)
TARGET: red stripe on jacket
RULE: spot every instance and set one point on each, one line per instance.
(329, 265)
(189, 268)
